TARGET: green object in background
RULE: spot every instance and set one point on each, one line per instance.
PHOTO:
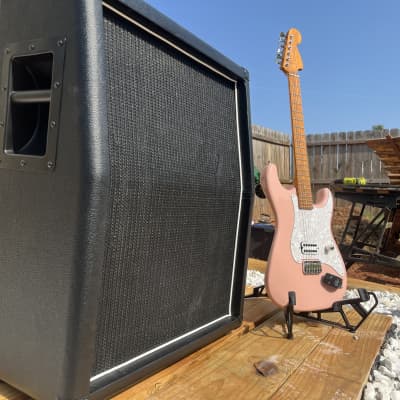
(257, 176)
(361, 181)
(257, 185)
(354, 181)
(351, 180)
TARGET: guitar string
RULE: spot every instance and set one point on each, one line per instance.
(296, 153)
(297, 171)
(303, 193)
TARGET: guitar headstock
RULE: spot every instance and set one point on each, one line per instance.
(288, 55)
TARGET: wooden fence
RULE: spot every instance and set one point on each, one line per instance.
(336, 155)
(331, 155)
(270, 146)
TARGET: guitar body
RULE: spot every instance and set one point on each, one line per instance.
(303, 250)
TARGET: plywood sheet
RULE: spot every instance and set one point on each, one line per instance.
(388, 151)
(339, 366)
(353, 283)
(228, 372)
(9, 393)
(257, 310)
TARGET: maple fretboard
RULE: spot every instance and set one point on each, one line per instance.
(300, 156)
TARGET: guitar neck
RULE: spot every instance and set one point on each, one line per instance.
(302, 168)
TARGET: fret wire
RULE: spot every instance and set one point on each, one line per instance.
(299, 143)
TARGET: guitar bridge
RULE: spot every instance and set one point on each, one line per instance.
(312, 267)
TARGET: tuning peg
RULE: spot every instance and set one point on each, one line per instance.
(279, 51)
(282, 35)
(278, 58)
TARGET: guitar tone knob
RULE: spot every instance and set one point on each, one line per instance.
(329, 247)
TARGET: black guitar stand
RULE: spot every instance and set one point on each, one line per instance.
(337, 307)
(257, 292)
(289, 312)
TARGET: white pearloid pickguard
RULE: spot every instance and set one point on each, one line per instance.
(314, 227)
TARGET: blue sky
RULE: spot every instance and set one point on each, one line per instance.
(350, 50)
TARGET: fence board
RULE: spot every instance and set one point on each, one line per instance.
(270, 146)
(331, 156)
(342, 154)
(345, 154)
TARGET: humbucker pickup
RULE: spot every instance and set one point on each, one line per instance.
(308, 248)
(312, 267)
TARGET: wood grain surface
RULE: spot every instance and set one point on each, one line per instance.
(321, 362)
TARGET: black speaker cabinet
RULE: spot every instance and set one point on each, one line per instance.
(125, 195)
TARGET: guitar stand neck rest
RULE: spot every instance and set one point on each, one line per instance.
(337, 307)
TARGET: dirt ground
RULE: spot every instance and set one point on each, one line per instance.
(374, 273)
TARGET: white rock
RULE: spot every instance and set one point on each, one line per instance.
(392, 343)
(387, 372)
(386, 363)
(396, 365)
(382, 391)
(369, 392)
(254, 278)
(395, 395)
(387, 353)
(381, 378)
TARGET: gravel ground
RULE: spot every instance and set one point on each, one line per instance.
(384, 380)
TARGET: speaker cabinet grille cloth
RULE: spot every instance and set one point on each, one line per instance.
(175, 195)
(126, 195)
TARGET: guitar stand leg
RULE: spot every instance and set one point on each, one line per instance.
(289, 314)
(337, 307)
(257, 292)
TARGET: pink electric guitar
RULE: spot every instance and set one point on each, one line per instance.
(304, 258)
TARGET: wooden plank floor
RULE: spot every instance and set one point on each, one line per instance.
(321, 362)
(353, 283)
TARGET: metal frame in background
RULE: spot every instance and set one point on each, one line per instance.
(364, 247)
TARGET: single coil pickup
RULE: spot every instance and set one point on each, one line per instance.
(312, 267)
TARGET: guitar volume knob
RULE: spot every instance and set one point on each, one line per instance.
(329, 247)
